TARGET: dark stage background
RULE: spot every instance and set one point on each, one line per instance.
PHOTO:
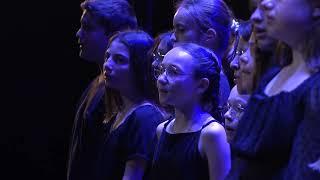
(43, 77)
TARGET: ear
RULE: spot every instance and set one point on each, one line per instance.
(211, 34)
(203, 85)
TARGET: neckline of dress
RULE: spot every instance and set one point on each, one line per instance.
(300, 86)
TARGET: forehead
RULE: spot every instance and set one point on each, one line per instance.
(178, 56)
(88, 18)
(235, 97)
(117, 47)
(182, 16)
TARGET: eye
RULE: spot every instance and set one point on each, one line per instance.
(86, 27)
(239, 52)
(173, 71)
(106, 56)
(119, 59)
(240, 108)
(160, 54)
(179, 29)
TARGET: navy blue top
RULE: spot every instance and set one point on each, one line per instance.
(177, 157)
(277, 136)
(134, 138)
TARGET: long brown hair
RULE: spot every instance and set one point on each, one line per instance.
(139, 44)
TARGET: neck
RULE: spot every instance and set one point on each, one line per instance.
(298, 60)
(130, 101)
(189, 116)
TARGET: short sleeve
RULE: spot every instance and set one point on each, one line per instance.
(142, 136)
(306, 146)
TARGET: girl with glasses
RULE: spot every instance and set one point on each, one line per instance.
(193, 145)
(278, 135)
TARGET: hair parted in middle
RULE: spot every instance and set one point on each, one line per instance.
(139, 44)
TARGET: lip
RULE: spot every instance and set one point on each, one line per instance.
(106, 74)
(236, 77)
(80, 45)
(163, 91)
(261, 35)
(261, 32)
(229, 129)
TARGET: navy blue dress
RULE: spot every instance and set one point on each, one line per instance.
(277, 136)
(134, 138)
(177, 157)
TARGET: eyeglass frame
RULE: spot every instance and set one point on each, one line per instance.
(234, 110)
(164, 71)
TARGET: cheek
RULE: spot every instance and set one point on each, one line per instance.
(236, 121)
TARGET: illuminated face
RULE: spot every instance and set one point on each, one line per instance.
(288, 20)
(176, 83)
(264, 41)
(236, 106)
(185, 28)
(243, 65)
(117, 67)
(92, 39)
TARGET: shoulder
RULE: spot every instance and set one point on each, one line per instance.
(147, 115)
(213, 139)
(160, 128)
(147, 108)
(147, 111)
(312, 96)
(214, 131)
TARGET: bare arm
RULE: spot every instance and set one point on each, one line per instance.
(214, 146)
(134, 169)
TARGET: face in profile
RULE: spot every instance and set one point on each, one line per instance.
(264, 41)
(92, 39)
(185, 28)
(288, 20)
(243, 65)
(176, 83)
(117, 66)
(236, 106)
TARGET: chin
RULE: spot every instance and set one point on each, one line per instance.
(164, 101)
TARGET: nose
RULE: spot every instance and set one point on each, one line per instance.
(235, 63)
(162, 79)
(227, 116)
(267, 5)
(256, 16)
(173, 38)
(78, 33)
(107, 65)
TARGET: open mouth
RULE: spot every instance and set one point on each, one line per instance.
(236, 78)
(229, 129)
(260, 32)
(163, 91)
(106, 74)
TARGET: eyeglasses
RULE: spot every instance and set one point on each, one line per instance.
(157, 56)
(170, 72)
(239, 52)
(235, 111)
